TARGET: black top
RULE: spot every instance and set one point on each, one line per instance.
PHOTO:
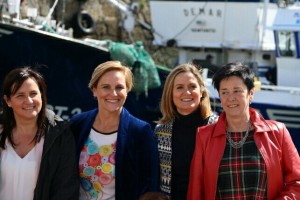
(58, 175)
(183, 145)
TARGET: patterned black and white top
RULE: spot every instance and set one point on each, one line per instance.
(164, 137)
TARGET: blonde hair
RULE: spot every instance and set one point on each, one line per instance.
(167, 106)
(103, 68)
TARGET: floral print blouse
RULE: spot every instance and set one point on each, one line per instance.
(97, 166)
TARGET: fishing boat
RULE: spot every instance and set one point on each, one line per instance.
(67, 64)
(263, 34)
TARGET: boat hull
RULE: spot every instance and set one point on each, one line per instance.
(67, 65)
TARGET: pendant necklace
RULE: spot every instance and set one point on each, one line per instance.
(240, 143)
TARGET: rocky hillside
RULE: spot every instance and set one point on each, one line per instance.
(103, 20)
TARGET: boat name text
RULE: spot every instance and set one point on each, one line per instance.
(202, 12)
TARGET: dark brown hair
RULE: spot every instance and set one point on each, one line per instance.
(234, 69)
(11, 84)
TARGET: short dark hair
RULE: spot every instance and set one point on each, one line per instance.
(234, 69)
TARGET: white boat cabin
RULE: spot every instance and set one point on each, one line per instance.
(258, 33)
(286, 27)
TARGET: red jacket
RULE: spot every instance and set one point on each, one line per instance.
(275, 145)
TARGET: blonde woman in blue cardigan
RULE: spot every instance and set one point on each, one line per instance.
(185, 106)
(118, 157)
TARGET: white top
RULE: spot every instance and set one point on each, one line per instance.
(18, 175)
(97, 167)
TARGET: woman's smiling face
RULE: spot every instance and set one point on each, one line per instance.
(186, 93)
(235, 97)
(111, 91)
(27, 101)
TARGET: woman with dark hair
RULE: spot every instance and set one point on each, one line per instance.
(38, 155)
(243, 156)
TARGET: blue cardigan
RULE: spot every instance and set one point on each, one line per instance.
(137, 168)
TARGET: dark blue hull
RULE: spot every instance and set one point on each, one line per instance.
(67, 66)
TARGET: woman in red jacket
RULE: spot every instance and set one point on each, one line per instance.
(243, 156)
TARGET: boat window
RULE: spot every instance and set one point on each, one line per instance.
(286, 43)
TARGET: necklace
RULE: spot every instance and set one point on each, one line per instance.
(240, 143)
